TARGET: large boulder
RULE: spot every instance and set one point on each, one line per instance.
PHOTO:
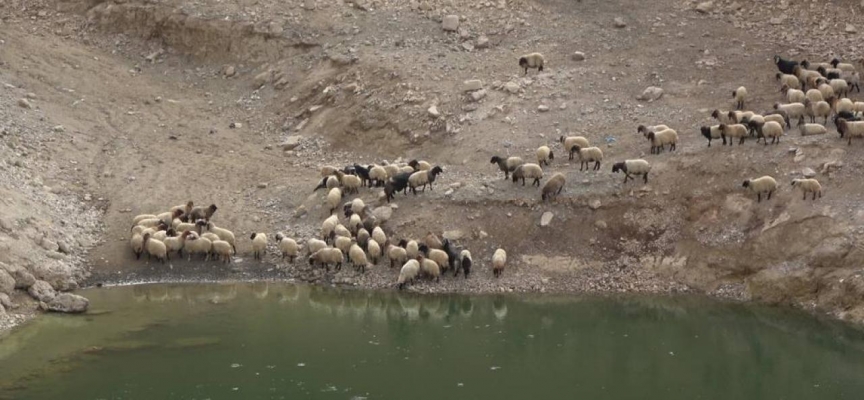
(7, 282)
(42, 291)
(23, 278)
(68, 303)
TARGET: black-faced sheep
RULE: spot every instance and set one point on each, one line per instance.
(506, 165)
(633, 167)
(761, 185)
(529, 171)
(785, 66)
(808, 186)
(423, 177)
(713, 132)
(553, 187)
(533, 60)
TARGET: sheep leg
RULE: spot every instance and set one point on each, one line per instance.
(769, 194)
(537, 181)
(741, 141)
(805, 196)
(814, 196)
(626, 175)
(645, 177)
(596, 168)
(523, 181)
(759, 197)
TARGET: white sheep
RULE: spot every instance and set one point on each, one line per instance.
(544, 155)
(358, 258)
(423, 178)
(711, 133)
(811, 129)
(259, 245)
(840, 86)
(396, 254)
(408, 273)
(721, 117)
(499, 259)
(776, 118)
(440, 257)
(773, 130)
(136, 242)
(645, 129)
(553, 186)
(842, 105)
(328, 170)
(141, 217)
(789, 81)
(374, 251)
(814, 96)
(378, 174)
(740, 96)
(792, 110)
(334, 197)
(529, 171)
(818, 109)
(224, 235)
(419, 165)
(197, 245)
(313, 245)
(288, 247)
(341, 231)
(842, 66)
(175, 243)
(358, 207)
(328, 226)
(532, 60)
(224, 250)
(507, 165)
(660, 139)
(573, 141)
(354, 223)
(850, 129)
(343, 243)
(465, 262)
(588, 155)
(379, 236)
(808, 186)
(738, 117)
(327, 256)
(351, 183)
(155, 248)
(794, 95)
(430, 268)
(761, 185)
(633, 167)
(826, 89)
(412, 248)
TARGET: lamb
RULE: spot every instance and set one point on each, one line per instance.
(423, 178)
(259, 245)
(408, 273)
(788, 81)
(202, 213)
(713, 132)
(553, 186)
(810, 129)
(740, 96)
(377, 174)
(137, 244)
(842, 66)
(224, 250)
(773, 130)
(327, 256)
(288, 247)
(761, 185)
(633, 167)
(313, 245)
(734, 131)
(544, 155)
(850, 129)
(430, 269)
(785, 66)
(420, 165)
(499, 259)
(396, 254)
(358, 258)
(223, 234)
(328, 226)
(572, 141)
(334, 197)
(465, 261)
(374, 251)
(506, 165)
(533, 60)
(155, 248)
(792, 110)
(818, 109)
(197, 245)
(794, 95)
(529, 171)
(808, 186)
(379, 236)
(659, 140)
(645, 129)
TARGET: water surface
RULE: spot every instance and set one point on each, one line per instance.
(279, 341)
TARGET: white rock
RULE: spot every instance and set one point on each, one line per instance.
(594, 204)
(578, 56)
(24, 103)
(512, 87)
(450, 23)
(808, 172)
(291, 142)
(546, 218)
(651, 93)
(705, 7)
(619, 22)
(482, 42)
(433, 111)
(478, 95)
(472, 85)
(542, 108)
(230, 71)
(850, 28)
(455, 234)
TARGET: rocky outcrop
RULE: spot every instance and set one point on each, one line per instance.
(67, 303)
(42, 291)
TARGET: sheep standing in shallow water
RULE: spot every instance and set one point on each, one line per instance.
(633, 167)
(808, 186)
(761, 185)
(533, 60)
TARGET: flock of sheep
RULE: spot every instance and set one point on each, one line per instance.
(359, 239)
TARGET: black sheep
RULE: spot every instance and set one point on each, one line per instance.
(785, 66)
(706, 131)
(396, 184)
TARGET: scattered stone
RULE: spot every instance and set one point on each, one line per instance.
(68, 303)
(482, 42)
(230, 71)
(594, 204)
(456, 234)
(262, 185)
(600, 224)
(291, 142)
(478, 95)
(468, 46)
(24, 103)
(7, 282)
(542, 108)
(433, 111)
(546, 218)
(472, 85)
(850, 28)
(383, 213)
(450, 23)
(705, 7)
(512, 87)
(235, 125)
(42, 291)
(578, 56)
(30, 95)
(775, 21)
(58, 129)
(650, 93)
(300, 211)
(619, 22)
(49, 244)
(23, 278)
(808, 172)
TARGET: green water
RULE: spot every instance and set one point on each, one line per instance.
(276, 341)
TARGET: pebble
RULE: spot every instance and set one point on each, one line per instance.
(594, 204)
(478, 95)
(578, 56)
(808, 172)
(472, 85)
(262, 185)
(482, 42)
(650, 93)
(542, 108)
(433, 111)
(546, 218)
(230, 71)
(450, 23)
(705, 7)
(291, 142)
(236, 125)
(619, 22)
(850, 28)
(24, 103)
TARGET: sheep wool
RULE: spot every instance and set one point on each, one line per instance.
(223, 250)
(420, 165)
(529, 171)
(711, 133)
(198, 245)
(313, 245)
(660, 139)
(765, 184)
(813, 95)
(327, 256)
(499, 259)
(155, 248)
(772, 130)
(792, 110)
(553, 187)
(811, 129)
(333, 199)
(808, 186)
(740, 96)
(465, 262)
(430, 269)
(259, 245)
(572, 141)
(788, 80)
(532, 60)
(343, 243)
(850, 129)
(412, 248)
(358, 258)
(794, 95)
(588, 155)
(224, 235)
(379, 236)
(287, 246)
(506, 165)
(440, 257)
(544, 155)
(137, 244)
(396, 254)
(633, 167)
(374, 251)
(408, 273)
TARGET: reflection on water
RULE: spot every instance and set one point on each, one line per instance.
(272, 340)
